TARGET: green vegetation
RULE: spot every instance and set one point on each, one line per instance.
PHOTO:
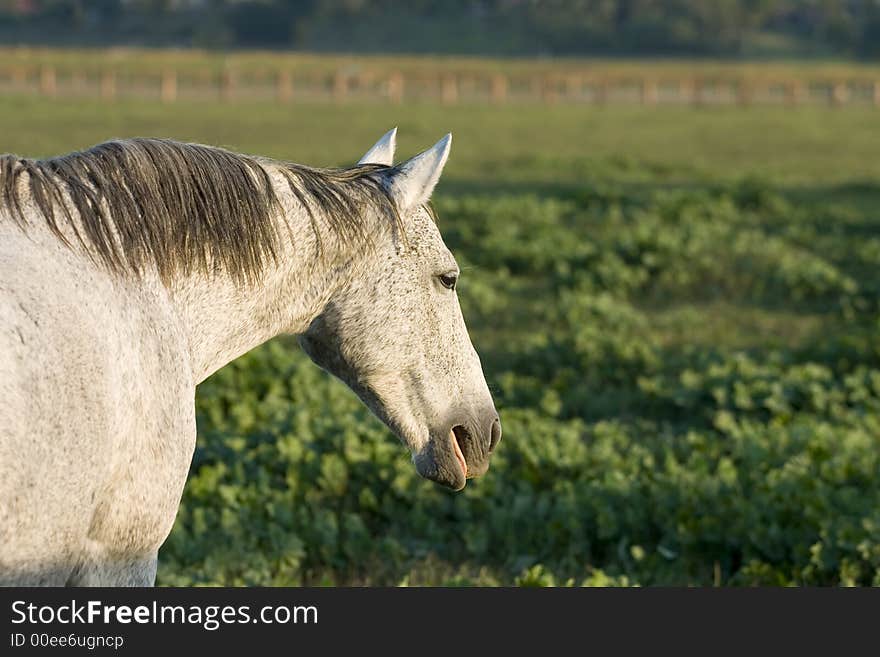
(732, 28)
(677, 311)
(145, 62)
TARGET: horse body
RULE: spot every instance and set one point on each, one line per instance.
(101, 373)
(98, 368)
(99, 425)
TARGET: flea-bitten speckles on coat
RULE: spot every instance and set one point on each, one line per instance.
(124, 286)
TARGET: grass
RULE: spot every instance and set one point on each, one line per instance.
(497, 148)
(140, 60)
(681, 417)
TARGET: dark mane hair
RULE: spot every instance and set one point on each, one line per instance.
(184, 207)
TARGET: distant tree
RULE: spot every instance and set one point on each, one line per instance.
(847, 28)
(869, 42)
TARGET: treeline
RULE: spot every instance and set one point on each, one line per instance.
(720, 28)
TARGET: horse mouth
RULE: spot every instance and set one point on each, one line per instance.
(456, 435)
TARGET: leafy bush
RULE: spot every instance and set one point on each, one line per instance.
(690, 395)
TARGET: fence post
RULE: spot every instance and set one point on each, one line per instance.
(573, 86)
(395, 88)
(227, 85)
(685, 91)
(745, 92)
(48, 83)
(600, 91)
(698, 92)
(78, 82)
(498, 89)
(549, 91)
(340, 86)
(108, 85)
(839, 93)
(449, 89)
(168, 91)
(284, 86)
(534, 88)
(794, 93)
(19, 76)
(649, 91)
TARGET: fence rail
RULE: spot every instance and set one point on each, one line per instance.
(170, 85)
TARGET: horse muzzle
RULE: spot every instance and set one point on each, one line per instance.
(460, 453)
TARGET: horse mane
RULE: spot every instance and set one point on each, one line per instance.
(185, 207)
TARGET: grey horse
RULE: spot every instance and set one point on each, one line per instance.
(131, 271)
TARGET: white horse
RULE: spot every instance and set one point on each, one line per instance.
(133, 270)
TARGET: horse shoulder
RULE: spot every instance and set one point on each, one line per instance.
(92, 373)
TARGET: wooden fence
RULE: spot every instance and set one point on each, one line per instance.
(450, 88)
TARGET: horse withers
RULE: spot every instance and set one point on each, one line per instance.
(131, 271)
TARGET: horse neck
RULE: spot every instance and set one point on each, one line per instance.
(224, 318)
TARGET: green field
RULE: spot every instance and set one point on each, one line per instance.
(677, 311)
(151, 61)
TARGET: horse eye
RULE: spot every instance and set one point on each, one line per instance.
(448, 280)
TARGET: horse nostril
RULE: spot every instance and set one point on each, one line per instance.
(495, 434)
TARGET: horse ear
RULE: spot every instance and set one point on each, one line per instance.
(412, 182)
(382, 151)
